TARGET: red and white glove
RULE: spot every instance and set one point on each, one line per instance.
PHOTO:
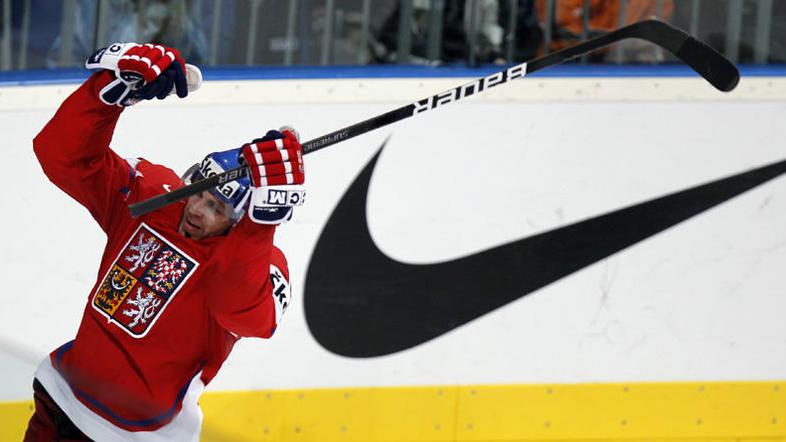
(143, 72)
(275, 164)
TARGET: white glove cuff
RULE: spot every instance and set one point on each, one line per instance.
(279, 196)
(108, 57)
(275, 204)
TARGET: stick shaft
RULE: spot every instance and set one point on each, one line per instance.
(711, 65)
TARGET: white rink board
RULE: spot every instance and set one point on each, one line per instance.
(703, 300)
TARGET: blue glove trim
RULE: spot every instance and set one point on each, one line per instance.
(114, 92)
(270, 215)
(173, 77)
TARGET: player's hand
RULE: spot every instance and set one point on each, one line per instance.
(143, 72)
(275, 164)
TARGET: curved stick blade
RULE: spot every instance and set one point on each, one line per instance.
(715, 68)
(706, 61)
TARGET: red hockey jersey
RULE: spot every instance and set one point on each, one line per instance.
(165, 310)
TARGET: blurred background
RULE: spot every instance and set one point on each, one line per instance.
(37, 34)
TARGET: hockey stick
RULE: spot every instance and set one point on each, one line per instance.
(707, 62)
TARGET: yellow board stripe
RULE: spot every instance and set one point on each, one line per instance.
(706, 411)
(13, 419)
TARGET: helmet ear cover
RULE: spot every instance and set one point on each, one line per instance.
(186, 176)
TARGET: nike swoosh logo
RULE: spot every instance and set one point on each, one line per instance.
(361, 303)
(167, 187)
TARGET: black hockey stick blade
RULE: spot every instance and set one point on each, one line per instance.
(707, 62)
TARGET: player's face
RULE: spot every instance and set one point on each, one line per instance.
(204, 216)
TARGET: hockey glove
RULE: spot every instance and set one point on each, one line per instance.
(143, 72)
(275, 164)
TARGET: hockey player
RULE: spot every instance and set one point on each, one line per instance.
(176, 288)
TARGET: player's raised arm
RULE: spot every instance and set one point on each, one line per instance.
(254, 290)
(73, 147)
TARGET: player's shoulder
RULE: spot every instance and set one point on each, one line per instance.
(151, 179)
(279, 260)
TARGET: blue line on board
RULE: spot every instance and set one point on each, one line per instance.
(77, 75)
